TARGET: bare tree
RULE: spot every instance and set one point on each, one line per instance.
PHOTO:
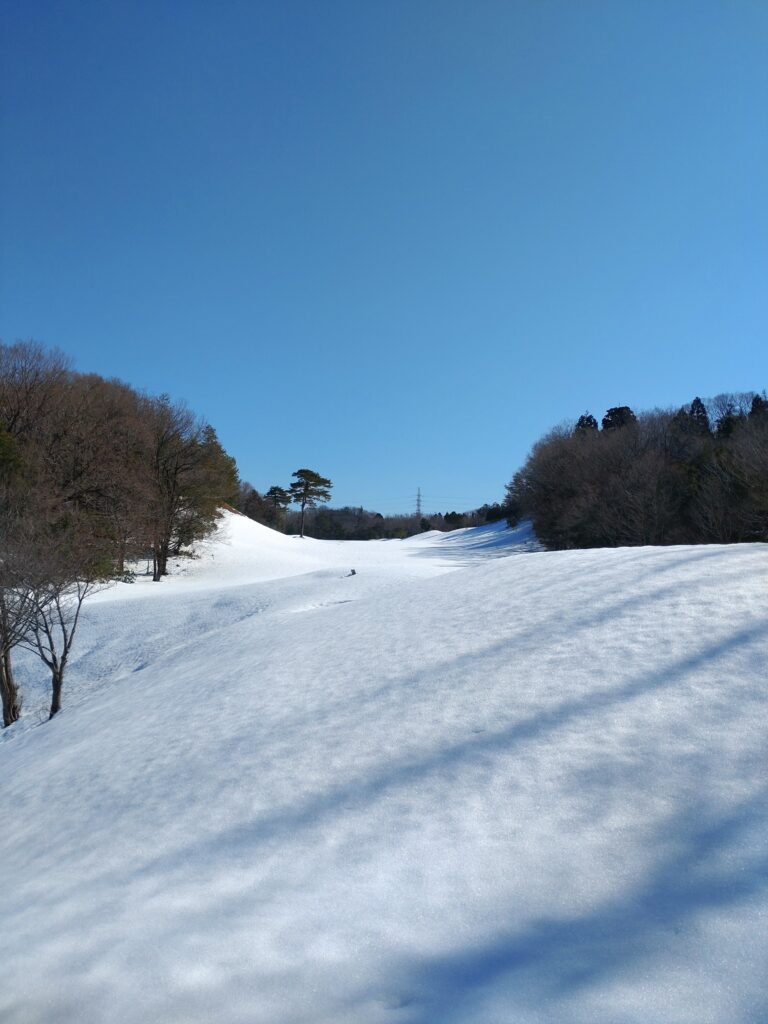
(16, 614)
(19, 600)
(16, 605)
(189, 476)
(30, 376)
(51, 633)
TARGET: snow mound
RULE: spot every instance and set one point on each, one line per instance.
(242, 551)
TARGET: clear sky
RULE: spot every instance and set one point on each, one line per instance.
(392, 241)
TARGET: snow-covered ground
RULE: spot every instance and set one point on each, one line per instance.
(469, 783)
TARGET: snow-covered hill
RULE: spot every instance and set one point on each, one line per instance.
(459, 785)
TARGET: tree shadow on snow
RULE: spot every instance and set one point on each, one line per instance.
(708, 861)
(361, 792)
(481, 542)
(550, 961)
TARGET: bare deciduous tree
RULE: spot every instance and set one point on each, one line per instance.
(189, 477)
(17, 609)
(51, 633)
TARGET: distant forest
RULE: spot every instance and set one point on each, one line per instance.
(695, 475)
(353, 523)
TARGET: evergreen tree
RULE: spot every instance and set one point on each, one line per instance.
(277, 500)
(692, 421)
(585, 424)
(617, 417)
(453, 520)
(253, 505)
(308, 490)
(759, 409)
(699, 417)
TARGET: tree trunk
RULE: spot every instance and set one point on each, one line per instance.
(160, 552)
(121, 549)
(301, 530)
(57, 680)
(10, 693)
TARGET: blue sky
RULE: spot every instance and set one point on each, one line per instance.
(397, 241)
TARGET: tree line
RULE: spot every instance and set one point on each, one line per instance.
(694, 475)
(93, 474)
(272, 509)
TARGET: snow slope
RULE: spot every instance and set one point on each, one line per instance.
(459, 786)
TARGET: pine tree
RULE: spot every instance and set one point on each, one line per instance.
(308, 490)
(277, 500)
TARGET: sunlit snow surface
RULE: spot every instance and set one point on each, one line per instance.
(472, 782)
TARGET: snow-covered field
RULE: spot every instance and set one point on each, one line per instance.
(472, 782)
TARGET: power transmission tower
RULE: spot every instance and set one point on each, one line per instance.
(418, 502)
